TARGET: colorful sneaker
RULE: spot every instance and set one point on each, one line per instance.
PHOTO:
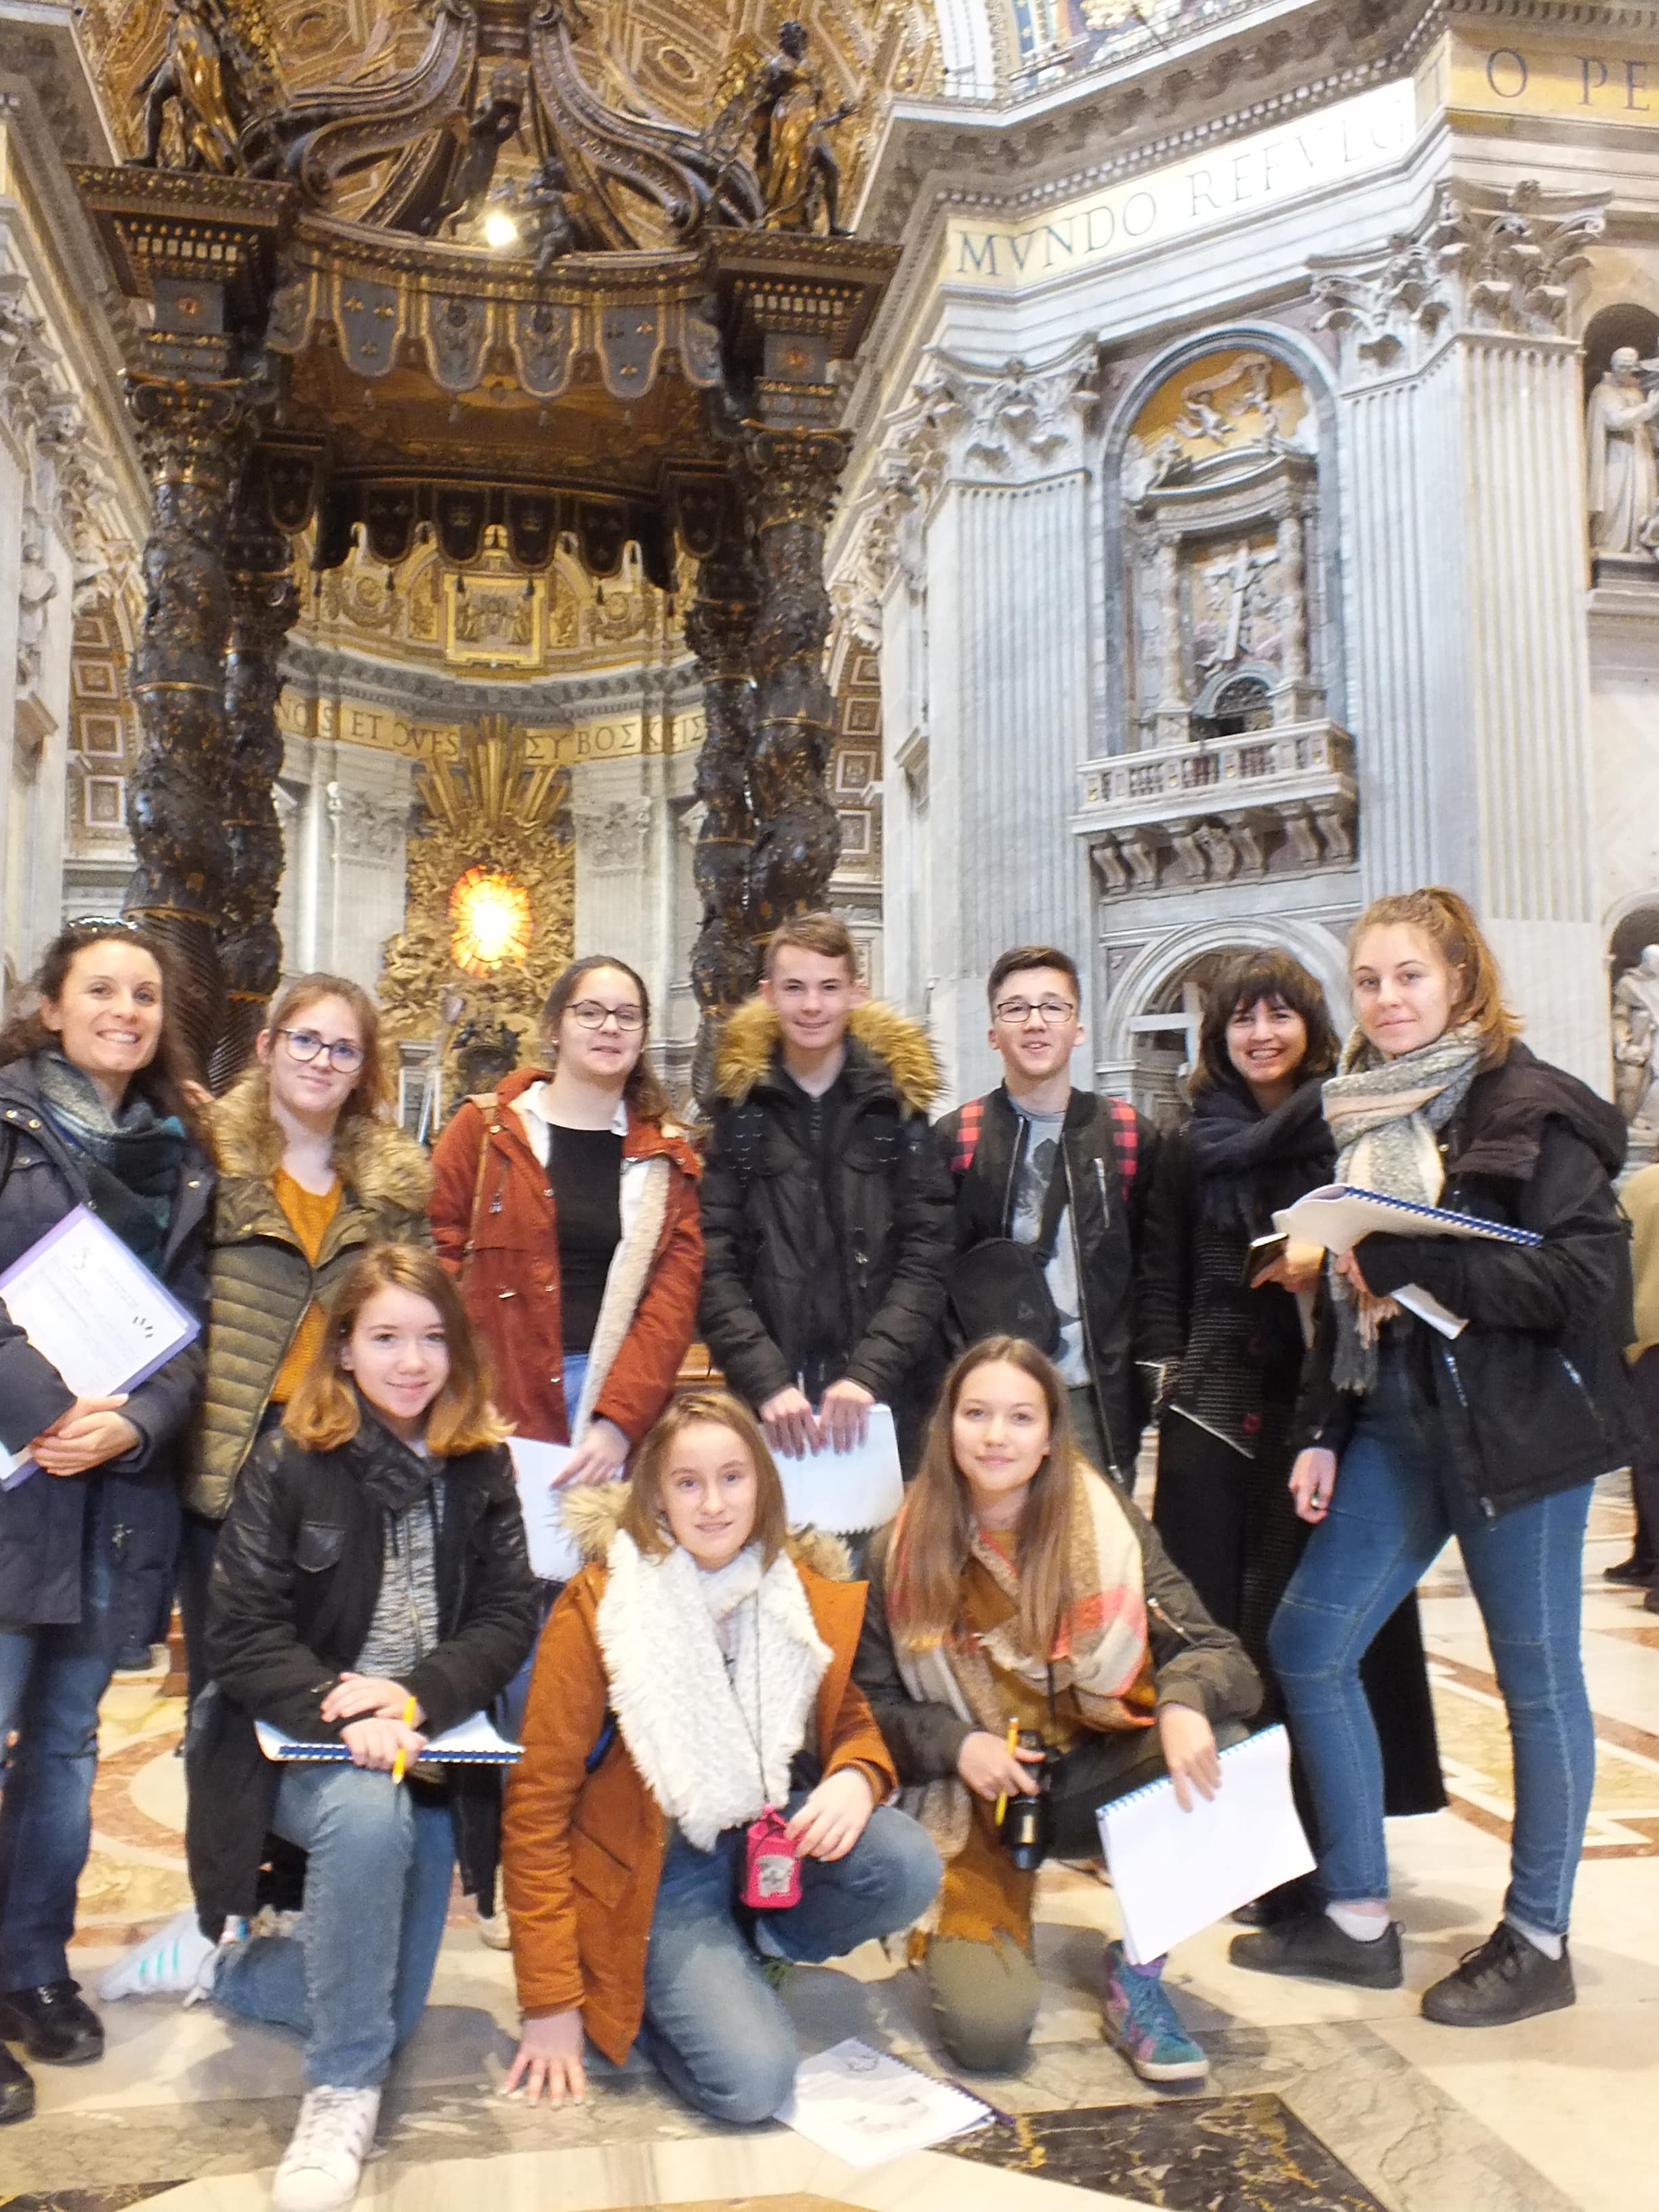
(174, 1962)
(324, 2163)
(1138, 2018)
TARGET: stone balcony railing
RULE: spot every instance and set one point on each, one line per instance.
(1269, 802)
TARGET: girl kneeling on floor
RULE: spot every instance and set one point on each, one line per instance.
(370, 1588)
(1019, 1588)
(703, 1784)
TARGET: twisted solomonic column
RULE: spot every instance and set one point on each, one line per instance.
(720, 627)
(193, 438)
(793, 476)
(264, 604)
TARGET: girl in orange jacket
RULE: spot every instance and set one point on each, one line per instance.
(702, 1785)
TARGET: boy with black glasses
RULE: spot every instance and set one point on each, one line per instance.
(1051, 1188)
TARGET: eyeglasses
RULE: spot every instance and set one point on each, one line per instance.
(304, 1045)
(1018, 1011)
(589, 1014)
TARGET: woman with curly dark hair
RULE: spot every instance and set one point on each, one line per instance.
(1228, 1335)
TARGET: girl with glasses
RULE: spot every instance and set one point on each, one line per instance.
(312, 1171)
(566, 1201)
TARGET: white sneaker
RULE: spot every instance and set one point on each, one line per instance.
(324, 2163)
(177, 1961)
(495, 1930)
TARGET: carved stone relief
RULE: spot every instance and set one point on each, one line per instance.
(610, 838)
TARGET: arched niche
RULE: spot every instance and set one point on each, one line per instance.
(1622, 324)
(1219, 524)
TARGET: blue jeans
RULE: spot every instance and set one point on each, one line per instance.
(354, 1982)
(714, 2027)
(1393, 1507)
(50, 1682)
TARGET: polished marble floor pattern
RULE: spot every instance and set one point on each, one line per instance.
(1318, 2098)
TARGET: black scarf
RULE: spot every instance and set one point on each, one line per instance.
(130, 1160)
(1248, 1163)
(392, 1475)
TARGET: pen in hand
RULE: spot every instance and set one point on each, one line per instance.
(1013, 1745)
(401, 1760)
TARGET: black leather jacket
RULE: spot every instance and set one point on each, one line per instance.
(296, 1579)
(1106, 1213)
(1532, 1395)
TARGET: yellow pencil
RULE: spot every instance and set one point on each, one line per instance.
(408, 1722)
(1013, 1745)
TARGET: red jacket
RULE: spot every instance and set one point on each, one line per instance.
(511, 1285)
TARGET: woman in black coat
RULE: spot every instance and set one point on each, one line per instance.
(91, 1113)
(1228, 1336)
(1491, 1425)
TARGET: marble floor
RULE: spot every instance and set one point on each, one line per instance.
(1323, 2099)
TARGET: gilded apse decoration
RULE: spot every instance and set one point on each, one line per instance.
(493, 922)
(496, 832)
(264, 604)
(794, 474)
(192, 438)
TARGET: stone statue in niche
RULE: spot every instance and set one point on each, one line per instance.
(1235, 607)
(37, 587)
(1624, 461)
(1636, 1034)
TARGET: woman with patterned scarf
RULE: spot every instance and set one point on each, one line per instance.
(1018, 1588)
(92, 1113)
(1494, 1436)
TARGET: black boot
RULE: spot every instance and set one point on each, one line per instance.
(1506, 1978)
(1315, 1948)
(53, 2023)
(1635, 1570)
(16, 2088)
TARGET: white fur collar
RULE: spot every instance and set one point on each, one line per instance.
(692, 1729)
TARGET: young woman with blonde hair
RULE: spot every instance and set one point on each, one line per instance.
(1019, 1589)
(1494, 1436)
(694, 1748)
(370, 1590)
(312, 1169)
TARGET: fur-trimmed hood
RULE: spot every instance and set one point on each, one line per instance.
(381, 1162)
(891, 1039)
(593, 1513)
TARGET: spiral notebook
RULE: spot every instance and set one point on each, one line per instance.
(1339, 1213)
(1174, 1872)
(470, 1743)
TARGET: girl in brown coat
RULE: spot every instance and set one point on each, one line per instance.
(567, 1203)
(648, 1857)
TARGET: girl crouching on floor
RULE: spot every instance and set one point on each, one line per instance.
(370, 1588)
(1018, 1587)
(702, 1786)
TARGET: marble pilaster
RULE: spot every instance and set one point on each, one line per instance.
(634, 893)
(343, 811)
(1469, 693)
(995, 488)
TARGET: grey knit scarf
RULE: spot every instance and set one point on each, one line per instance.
(1383, 1114)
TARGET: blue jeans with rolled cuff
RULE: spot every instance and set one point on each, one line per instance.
(1395, 1503)
(379, 1859)
(52, 1680)
(714, 2027)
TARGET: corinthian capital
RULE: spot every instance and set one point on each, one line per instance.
(1014, 421)
(1482, 259)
